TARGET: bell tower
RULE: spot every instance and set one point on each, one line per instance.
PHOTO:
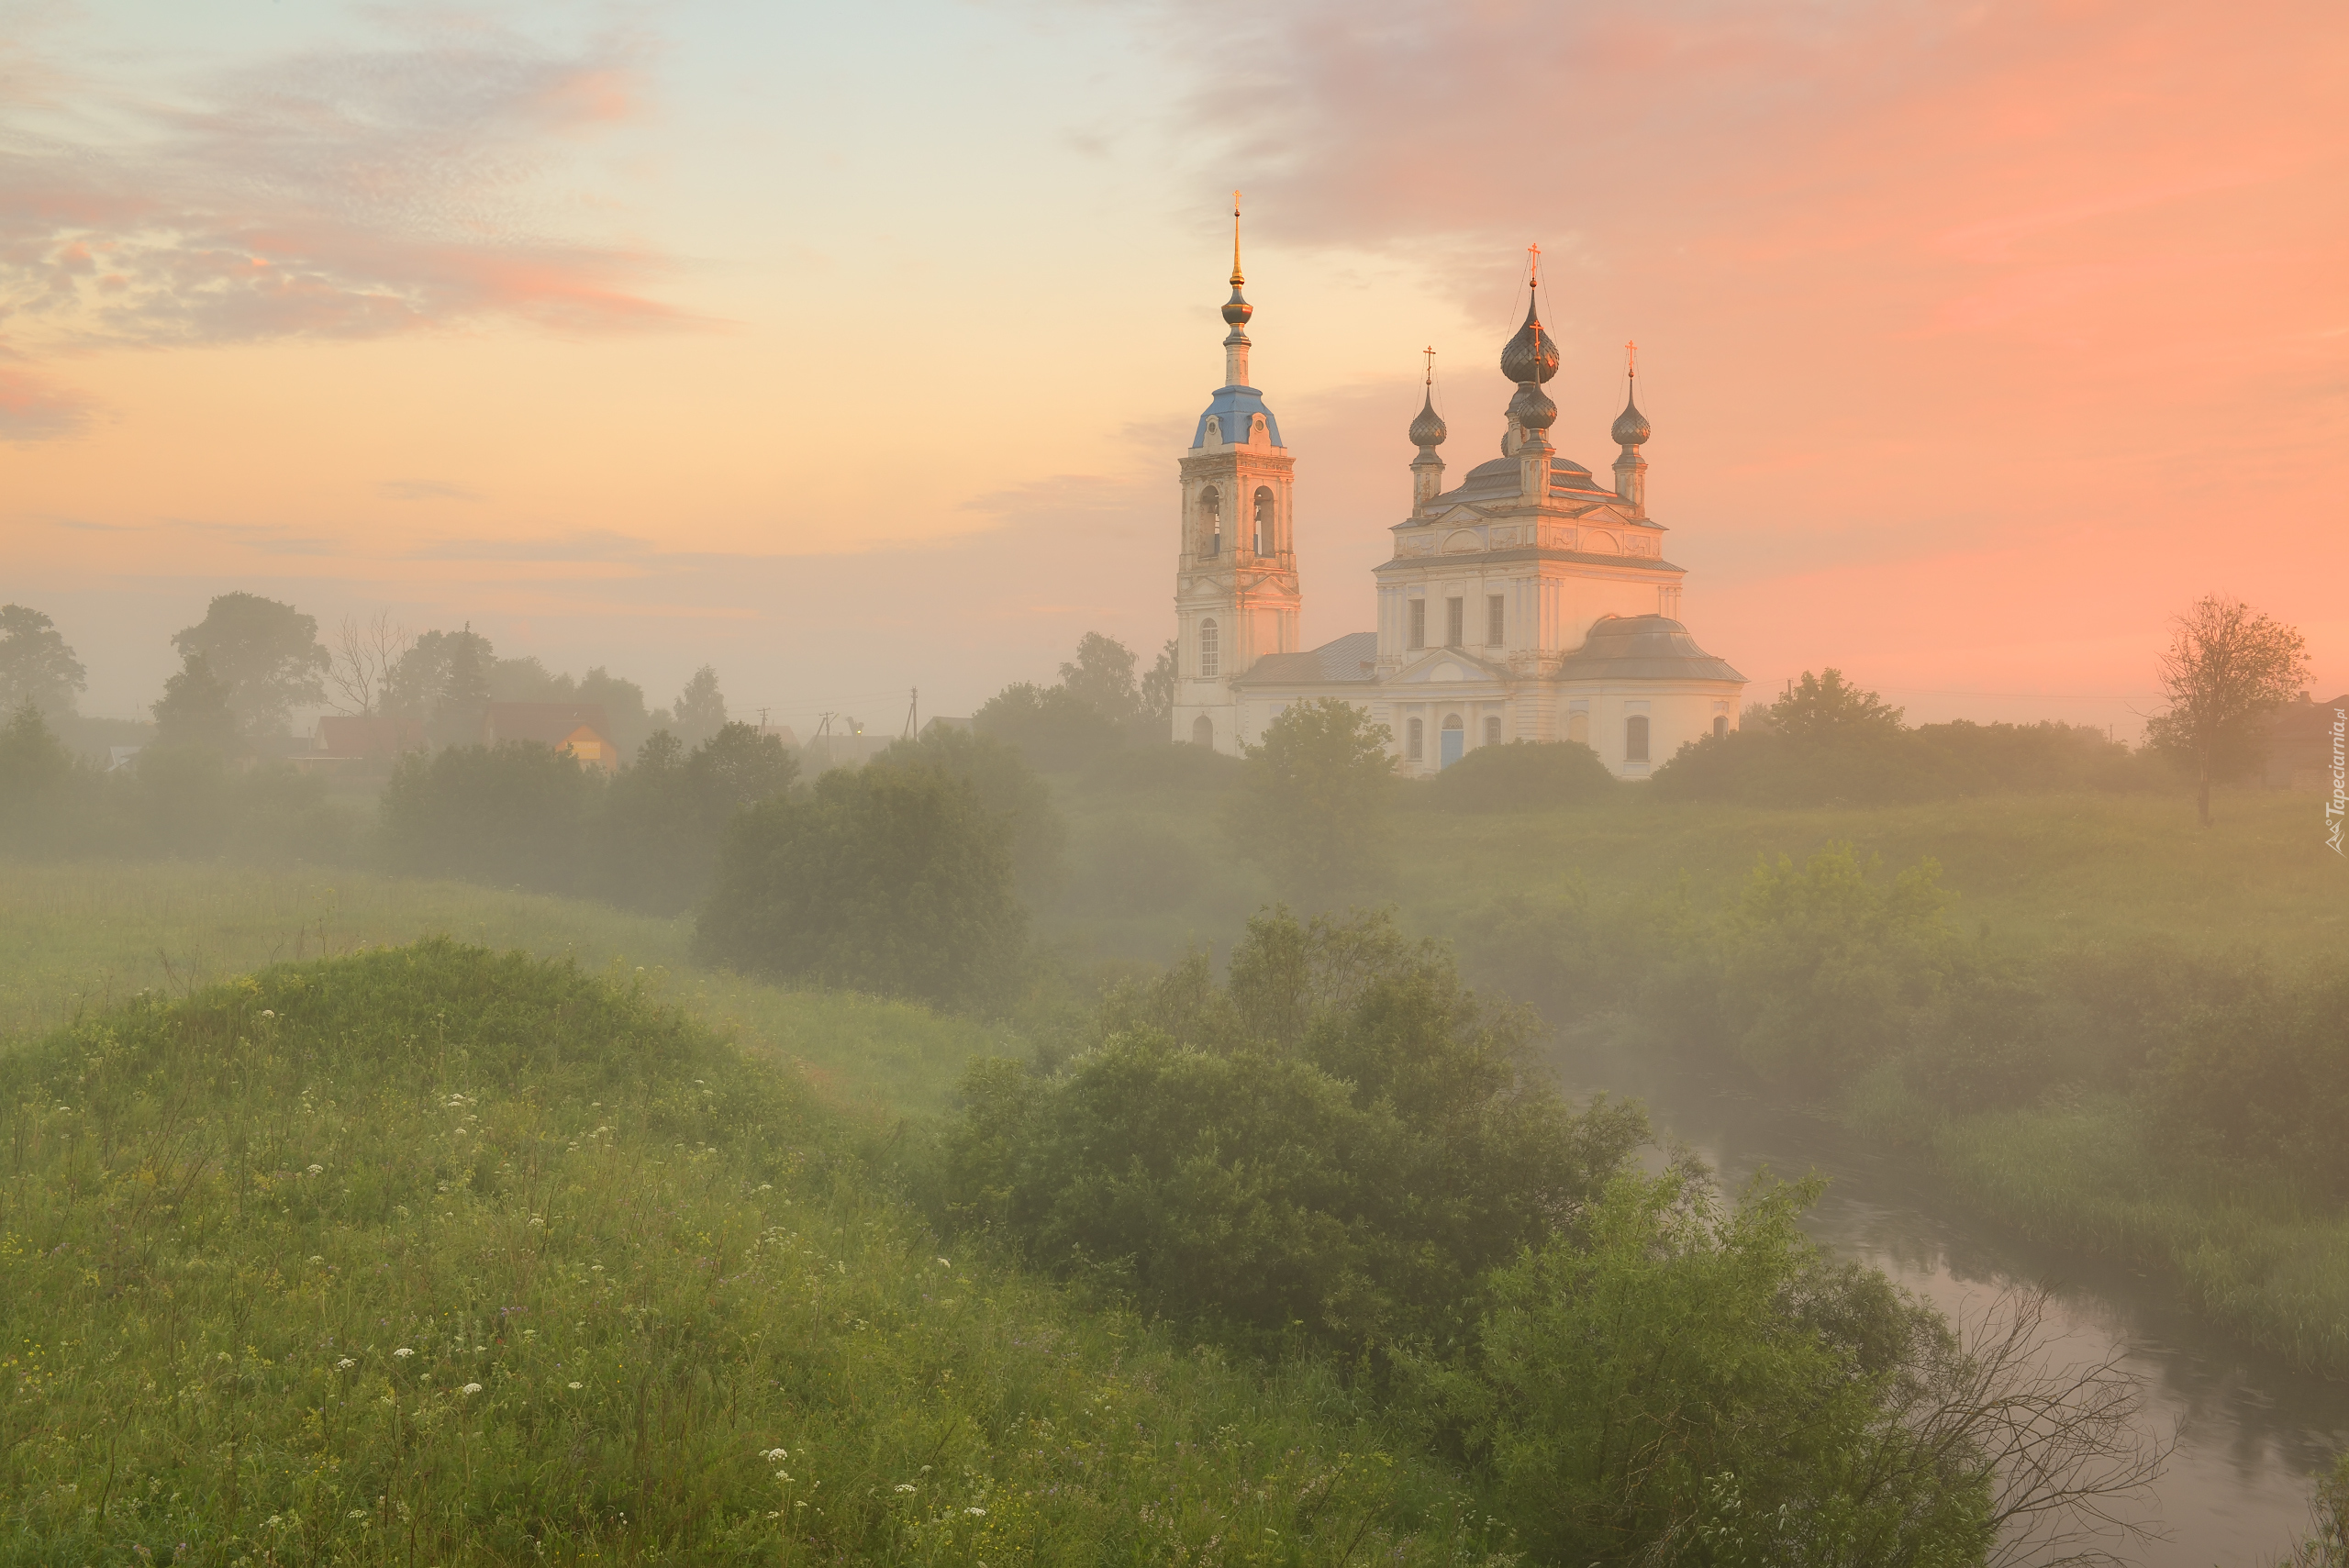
(1235, 581)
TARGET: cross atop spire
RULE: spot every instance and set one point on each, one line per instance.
(1236, 279)
(1631, 361)
(1429, 352)
(1533, 267)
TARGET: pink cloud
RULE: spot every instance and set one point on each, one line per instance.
(354, 194)
(33, 408)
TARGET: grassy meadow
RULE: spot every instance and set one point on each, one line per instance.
(434, 1255)
(2040, 870)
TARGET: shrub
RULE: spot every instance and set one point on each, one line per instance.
(514, 815)
(890, 879)
(1008, 789)
(1523, 775)
(1678, 1383)
(1821, 965)
(662, 820)
(1331, 1148)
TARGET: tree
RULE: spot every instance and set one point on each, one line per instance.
(35, 772)
(1008, 788)
(1052, 727)
(700, 712)
(1524, 776)
(514, 815)
(1313, 801)
(264, 652)
(465, 694)
(2227, 667)
(623, 704)
(1103, 676)
(36, 666)
(1826, 709)
(886, 879)
(361, 664)
(193, 710)
(1155, 719)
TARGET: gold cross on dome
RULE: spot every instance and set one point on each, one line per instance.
(1429, 352)
(1533, 273)
(1630, 358)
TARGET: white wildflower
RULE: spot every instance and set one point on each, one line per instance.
(472, 1388)
(318, 1170)
(404, 1351)
(976, 1513)
(346, 1363)
(269, 1012)
(578, 1385)
(904, 1486)
(773, 1453)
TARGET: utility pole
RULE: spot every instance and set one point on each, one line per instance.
(913, 708)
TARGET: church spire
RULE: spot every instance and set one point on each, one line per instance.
(1236, 312)
(1631, 432)
(1426, 434)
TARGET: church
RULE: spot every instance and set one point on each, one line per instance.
(1527, 602)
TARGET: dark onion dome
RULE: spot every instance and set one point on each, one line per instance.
(1631, 426)
(1428, 430)
(1531, 406)
(1237, 310)
(1532, 354)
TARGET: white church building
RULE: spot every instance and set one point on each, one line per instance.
(1527, 602)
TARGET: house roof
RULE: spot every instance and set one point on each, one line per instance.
(1641, 648)
(1353, 657)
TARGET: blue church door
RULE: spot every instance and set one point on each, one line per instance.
(1452, 740)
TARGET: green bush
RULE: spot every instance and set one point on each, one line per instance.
(889, 878)
(656, 838)
(1052, 727)
(515, 815)
(1677, 1382)
(1523, 775)
(1328, 1149)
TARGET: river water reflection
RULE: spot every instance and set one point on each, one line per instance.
(2250, 1430)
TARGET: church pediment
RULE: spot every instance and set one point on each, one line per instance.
(1449, 666)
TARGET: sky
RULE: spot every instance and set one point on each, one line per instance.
(850, 349)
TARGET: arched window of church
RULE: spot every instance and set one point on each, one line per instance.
(1415, 745)
(1720, 724)
(1202, 732)
(1211, 520)
(1265, 544)
(1492, 731)
(1207, 650)
(1578, 726)
(1635, 737)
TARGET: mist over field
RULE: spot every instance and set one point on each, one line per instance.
(629, 933)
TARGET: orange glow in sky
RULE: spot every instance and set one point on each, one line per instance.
(854, 351)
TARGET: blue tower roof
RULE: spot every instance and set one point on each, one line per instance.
(1231, 405)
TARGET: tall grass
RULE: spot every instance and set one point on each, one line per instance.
(429, 1255)
(2259, 1255)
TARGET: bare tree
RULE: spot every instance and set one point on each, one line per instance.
(2228, 666)
(2069, 1466)
(365, 652)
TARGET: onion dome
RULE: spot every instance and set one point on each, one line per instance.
(1531, 406)
(1428, 430)
(1630, 426)
(1532, 354)
(1237, 310)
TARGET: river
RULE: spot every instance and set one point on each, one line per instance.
(2250, 1430)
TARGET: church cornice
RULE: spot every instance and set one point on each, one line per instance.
(1419, 565)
